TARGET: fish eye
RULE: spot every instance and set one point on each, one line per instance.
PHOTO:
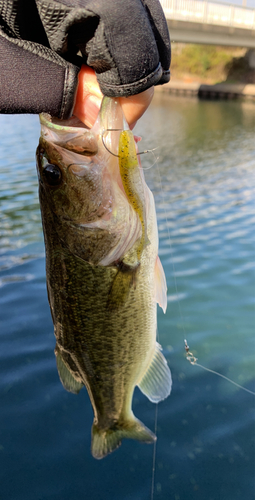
(52, 174)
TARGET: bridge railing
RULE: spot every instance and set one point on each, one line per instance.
(203, 11)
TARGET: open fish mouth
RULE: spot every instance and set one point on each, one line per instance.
(70, 134)
(75, 136)
(90, 195)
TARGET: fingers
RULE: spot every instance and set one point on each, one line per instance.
(89, 97)
(135, 106)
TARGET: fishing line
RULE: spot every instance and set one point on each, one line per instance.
(171, 254)
(156, 158)
(193, 361)
(189, 355)
(154, 453)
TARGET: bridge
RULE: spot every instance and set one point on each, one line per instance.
(202, 21)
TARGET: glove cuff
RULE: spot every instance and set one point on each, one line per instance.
(157, 77)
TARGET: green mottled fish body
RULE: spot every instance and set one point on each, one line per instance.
(102, 291)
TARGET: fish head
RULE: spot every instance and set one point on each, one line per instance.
(74, 167)
(81, 187)
(72, 186)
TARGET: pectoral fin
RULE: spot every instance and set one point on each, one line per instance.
(66, 378)
(124, 280)
(160, 285)
(156, 383)
(120, 290)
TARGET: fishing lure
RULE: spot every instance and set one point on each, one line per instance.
(133, 182)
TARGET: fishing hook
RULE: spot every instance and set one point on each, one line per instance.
(119, 130)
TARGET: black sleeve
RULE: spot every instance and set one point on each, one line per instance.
(44, 42)
(32, 81)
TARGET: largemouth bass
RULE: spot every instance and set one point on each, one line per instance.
(104, 276)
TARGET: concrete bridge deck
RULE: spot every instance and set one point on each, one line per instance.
(202, 21)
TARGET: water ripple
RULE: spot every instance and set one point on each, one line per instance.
(15, 278)
(204, 187)
(9, 261)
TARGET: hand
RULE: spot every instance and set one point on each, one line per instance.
(89, 97)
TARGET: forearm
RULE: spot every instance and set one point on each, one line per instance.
(43, 44)
(34, 79)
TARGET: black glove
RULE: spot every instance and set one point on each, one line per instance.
(43, 43)
(125, 41)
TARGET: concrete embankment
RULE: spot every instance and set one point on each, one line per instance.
(203, 91)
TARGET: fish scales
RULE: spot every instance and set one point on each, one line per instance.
(104, 313)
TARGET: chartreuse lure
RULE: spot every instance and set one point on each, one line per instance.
(133, 182)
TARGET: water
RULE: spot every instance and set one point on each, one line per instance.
(204, 190)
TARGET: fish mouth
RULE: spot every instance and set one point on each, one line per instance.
(53, 123)
(69, 134)
(75, 136)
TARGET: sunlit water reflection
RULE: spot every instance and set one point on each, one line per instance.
(204, 189)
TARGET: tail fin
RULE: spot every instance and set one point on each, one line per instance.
(104, 441)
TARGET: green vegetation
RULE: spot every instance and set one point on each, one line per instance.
(210, 63)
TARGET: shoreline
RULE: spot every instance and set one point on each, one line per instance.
(204, 91)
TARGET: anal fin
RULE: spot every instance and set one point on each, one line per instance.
(156, 383)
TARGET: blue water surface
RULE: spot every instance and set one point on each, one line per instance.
(203, 179)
